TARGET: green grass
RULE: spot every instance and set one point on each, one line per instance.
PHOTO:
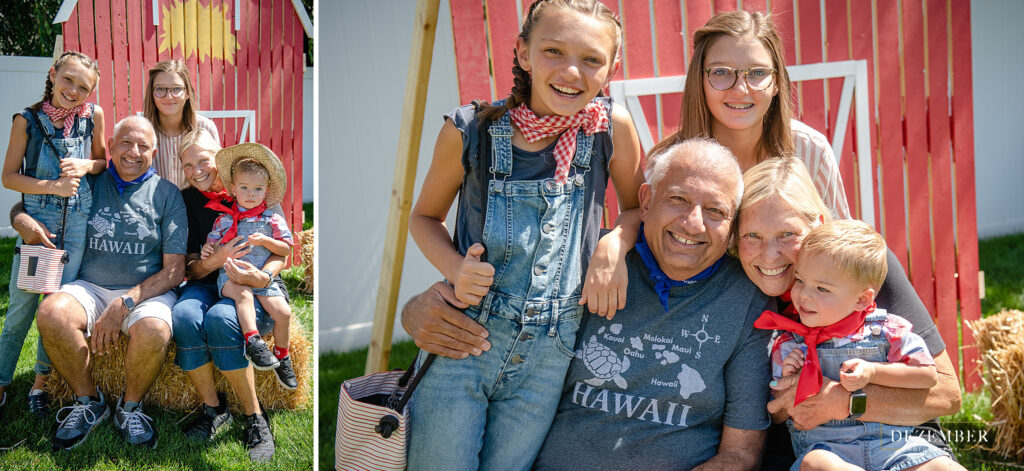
(25, 441)
(999, 258)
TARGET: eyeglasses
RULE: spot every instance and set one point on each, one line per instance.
(161, 92)
(724, 78)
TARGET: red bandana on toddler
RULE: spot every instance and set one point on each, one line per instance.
(810, 375)
(68, 115)
(592, 118)
(236, 215)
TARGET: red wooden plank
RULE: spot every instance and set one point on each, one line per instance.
(252, 20)
(862, 46)
(838, 41)
(668, 22)
(104, 55)
(783, 15)
(698, 12)
(119, 42)
(137, 65)
(503, 31)
(87, 30)
(470, 37)
(724, 5)
(150, 39)
(963, 155)
(70, 32)
(204, 55)
(266, 97)
(755, 5)
(288, 102)
(276, 89)
(890, 125)
(191, 23)
(636, 24)
(812, 98)
(228, 134)
(241, 69)
(298, 66)
(917, 154)
(942, 192)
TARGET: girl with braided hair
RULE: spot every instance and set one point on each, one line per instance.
(49, 175)
(531, 172)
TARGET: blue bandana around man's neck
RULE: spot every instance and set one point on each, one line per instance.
(662, 283)
(120, 184)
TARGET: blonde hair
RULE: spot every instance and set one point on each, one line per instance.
(695, 116)
(785, 178)
(520, 92)
(188, 114)
(198, 137)
(853, 248)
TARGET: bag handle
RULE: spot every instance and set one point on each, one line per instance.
(389, 423)
(64, 201)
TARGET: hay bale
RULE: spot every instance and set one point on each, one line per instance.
(306, 242)
(1000, 341)
(173, 390)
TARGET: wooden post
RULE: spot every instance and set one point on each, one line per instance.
(405, 177)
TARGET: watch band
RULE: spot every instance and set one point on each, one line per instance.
(270, 282)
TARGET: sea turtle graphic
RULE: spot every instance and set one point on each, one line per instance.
(102, 226)
(602, 363)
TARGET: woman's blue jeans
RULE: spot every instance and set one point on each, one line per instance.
(206, 329)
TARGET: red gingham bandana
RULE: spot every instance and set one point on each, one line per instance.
(592, 118)
(67, 115)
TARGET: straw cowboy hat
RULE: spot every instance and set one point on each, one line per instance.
(227, 157)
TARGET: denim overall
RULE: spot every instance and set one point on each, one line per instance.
(47, 210)
(494, 411)
(257, 255)
(870, 445)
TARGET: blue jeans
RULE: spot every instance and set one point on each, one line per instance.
(22, 307)
(206, 329)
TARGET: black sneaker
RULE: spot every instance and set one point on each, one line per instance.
(257, 352)
(136, 428)
(80, 420)
(258, 438)
(286, 375)
(211, 420)
(39, 403)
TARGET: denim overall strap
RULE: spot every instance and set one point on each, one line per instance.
(48, 164)
(501, 147)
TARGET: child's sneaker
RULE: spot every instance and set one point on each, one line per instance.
(136, 428)
(81, 418)
(257, 352)
(286, 375)
(39, 403)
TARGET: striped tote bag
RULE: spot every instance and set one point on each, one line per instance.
(373, 419)
(40, 269)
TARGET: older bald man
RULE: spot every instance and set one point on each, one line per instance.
(134, 256)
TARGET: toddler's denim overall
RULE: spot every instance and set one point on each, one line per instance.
(494, 411)
(47, 210)
(257, 255)
(870, 445)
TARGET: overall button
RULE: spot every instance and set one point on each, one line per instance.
(498, 185)
(531, 311)
(579, 180)
(525, 336)
(549, 185)
(538, 271)
(517, 358)
(548, 227)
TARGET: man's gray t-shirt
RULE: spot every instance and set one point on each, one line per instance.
(652, 390)
(128, 234)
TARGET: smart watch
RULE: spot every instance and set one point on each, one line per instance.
(858, 403)
(128, 302)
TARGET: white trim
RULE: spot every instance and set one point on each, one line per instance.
(66, 7)
(307, 25)
(248, 124)
(854, 75)
(156, 12)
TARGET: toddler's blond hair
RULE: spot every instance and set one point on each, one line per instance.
(853, 247)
